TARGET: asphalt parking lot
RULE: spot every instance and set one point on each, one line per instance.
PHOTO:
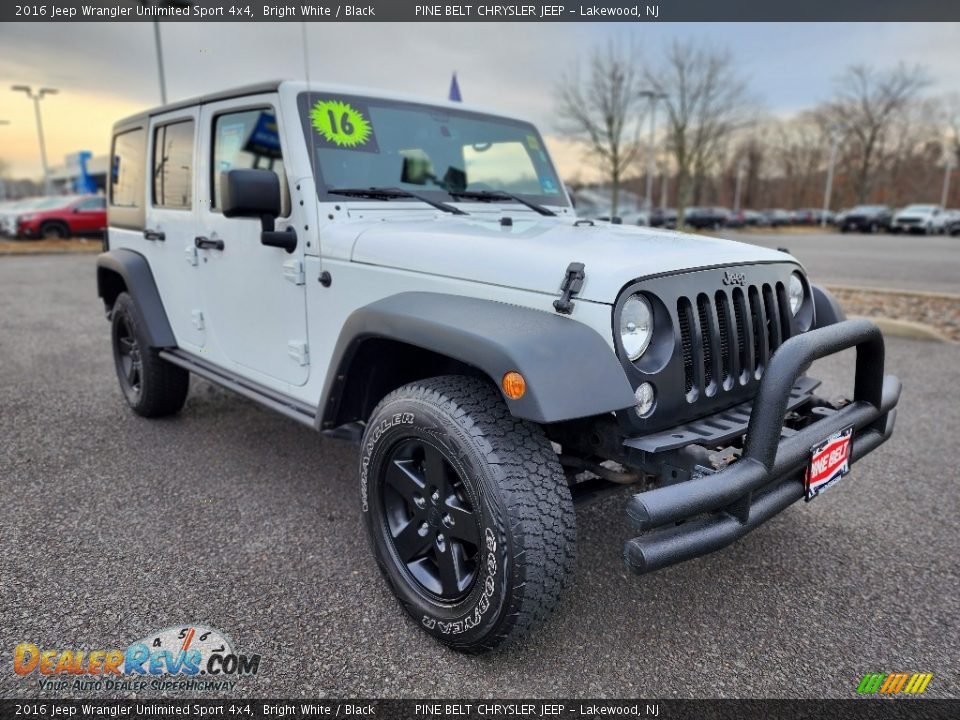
(232, 516)
(908, 262)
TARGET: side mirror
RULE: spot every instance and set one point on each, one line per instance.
(250, 193)
(256, 193)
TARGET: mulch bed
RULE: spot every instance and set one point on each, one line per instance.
(941, 312)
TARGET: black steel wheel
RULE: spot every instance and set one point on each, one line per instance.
(128, 359)
(467, 510)
(151, 386)
(433, 525)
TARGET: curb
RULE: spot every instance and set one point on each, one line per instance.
(51, 251)
(907, 329)
(894, 291)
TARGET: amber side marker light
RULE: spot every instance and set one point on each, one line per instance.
(514, 386)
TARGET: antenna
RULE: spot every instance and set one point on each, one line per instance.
(324, 276)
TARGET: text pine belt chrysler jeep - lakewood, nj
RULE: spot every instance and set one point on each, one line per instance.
(412, 276)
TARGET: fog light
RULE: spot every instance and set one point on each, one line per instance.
(514, 386)
(645, 397)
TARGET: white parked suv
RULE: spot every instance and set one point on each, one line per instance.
(916, 219)
(411, 276)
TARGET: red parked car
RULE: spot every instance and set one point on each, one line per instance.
(76, 216)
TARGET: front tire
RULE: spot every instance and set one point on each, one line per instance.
(151, 386)
(468, 512)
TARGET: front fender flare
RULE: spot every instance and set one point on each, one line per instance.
(825, 307)
(571, 372)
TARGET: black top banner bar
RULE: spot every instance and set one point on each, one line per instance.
(307, 709)
(625, 11)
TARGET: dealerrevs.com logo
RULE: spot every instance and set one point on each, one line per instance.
(182, 657)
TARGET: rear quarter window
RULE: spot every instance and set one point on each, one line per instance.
(127, 182)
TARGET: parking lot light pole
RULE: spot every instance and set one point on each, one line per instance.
(736, 193)
(664, 180)
(3, 183)
(653, 97)
(828, 190)
(37, 97)
(159, 47)
(951, 163)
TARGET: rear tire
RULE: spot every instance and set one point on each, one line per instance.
(151, 386)
(468, 512)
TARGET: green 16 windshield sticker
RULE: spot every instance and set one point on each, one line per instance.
(341, 124)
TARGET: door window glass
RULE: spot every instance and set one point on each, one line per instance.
(173, 165)
(248, 139)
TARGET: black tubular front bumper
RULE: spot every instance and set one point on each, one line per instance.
(769, 475)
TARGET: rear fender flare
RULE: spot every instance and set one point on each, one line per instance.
(134, 271)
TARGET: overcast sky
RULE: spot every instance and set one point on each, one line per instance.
(107, 70)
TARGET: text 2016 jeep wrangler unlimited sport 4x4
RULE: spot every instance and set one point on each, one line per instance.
(412, 276)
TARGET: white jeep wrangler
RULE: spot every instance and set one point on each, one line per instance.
(412, 276)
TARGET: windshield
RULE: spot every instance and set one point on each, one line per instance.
(433, 151)
(920, 208)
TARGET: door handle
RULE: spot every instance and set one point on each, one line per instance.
(154, 235)
(205, 243)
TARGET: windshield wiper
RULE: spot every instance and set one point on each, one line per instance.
(380, 193)
(494, 195)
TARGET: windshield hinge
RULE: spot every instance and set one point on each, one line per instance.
(572, 282)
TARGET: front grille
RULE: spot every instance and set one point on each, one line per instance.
(727, 339)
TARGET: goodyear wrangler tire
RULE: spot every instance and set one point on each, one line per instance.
(468, 512)
(151, 386)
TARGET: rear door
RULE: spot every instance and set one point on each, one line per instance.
(255, 299)
(171, 218)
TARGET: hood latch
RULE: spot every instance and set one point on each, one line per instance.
(572, 282)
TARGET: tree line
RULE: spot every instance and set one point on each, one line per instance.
(891, 140)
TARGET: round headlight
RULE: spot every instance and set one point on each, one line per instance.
(645, 397)
(636, 326)
(795, 293)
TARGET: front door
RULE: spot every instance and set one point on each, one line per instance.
(255, 299)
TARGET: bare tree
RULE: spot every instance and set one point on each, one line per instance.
(603, 110)
(704, 101)
(799, 150)
(866, 104)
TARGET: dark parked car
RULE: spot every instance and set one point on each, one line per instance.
(712, 218)
(736, 219)
(776, 217)
(867, 219)
(664, 217)
(811, 216)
